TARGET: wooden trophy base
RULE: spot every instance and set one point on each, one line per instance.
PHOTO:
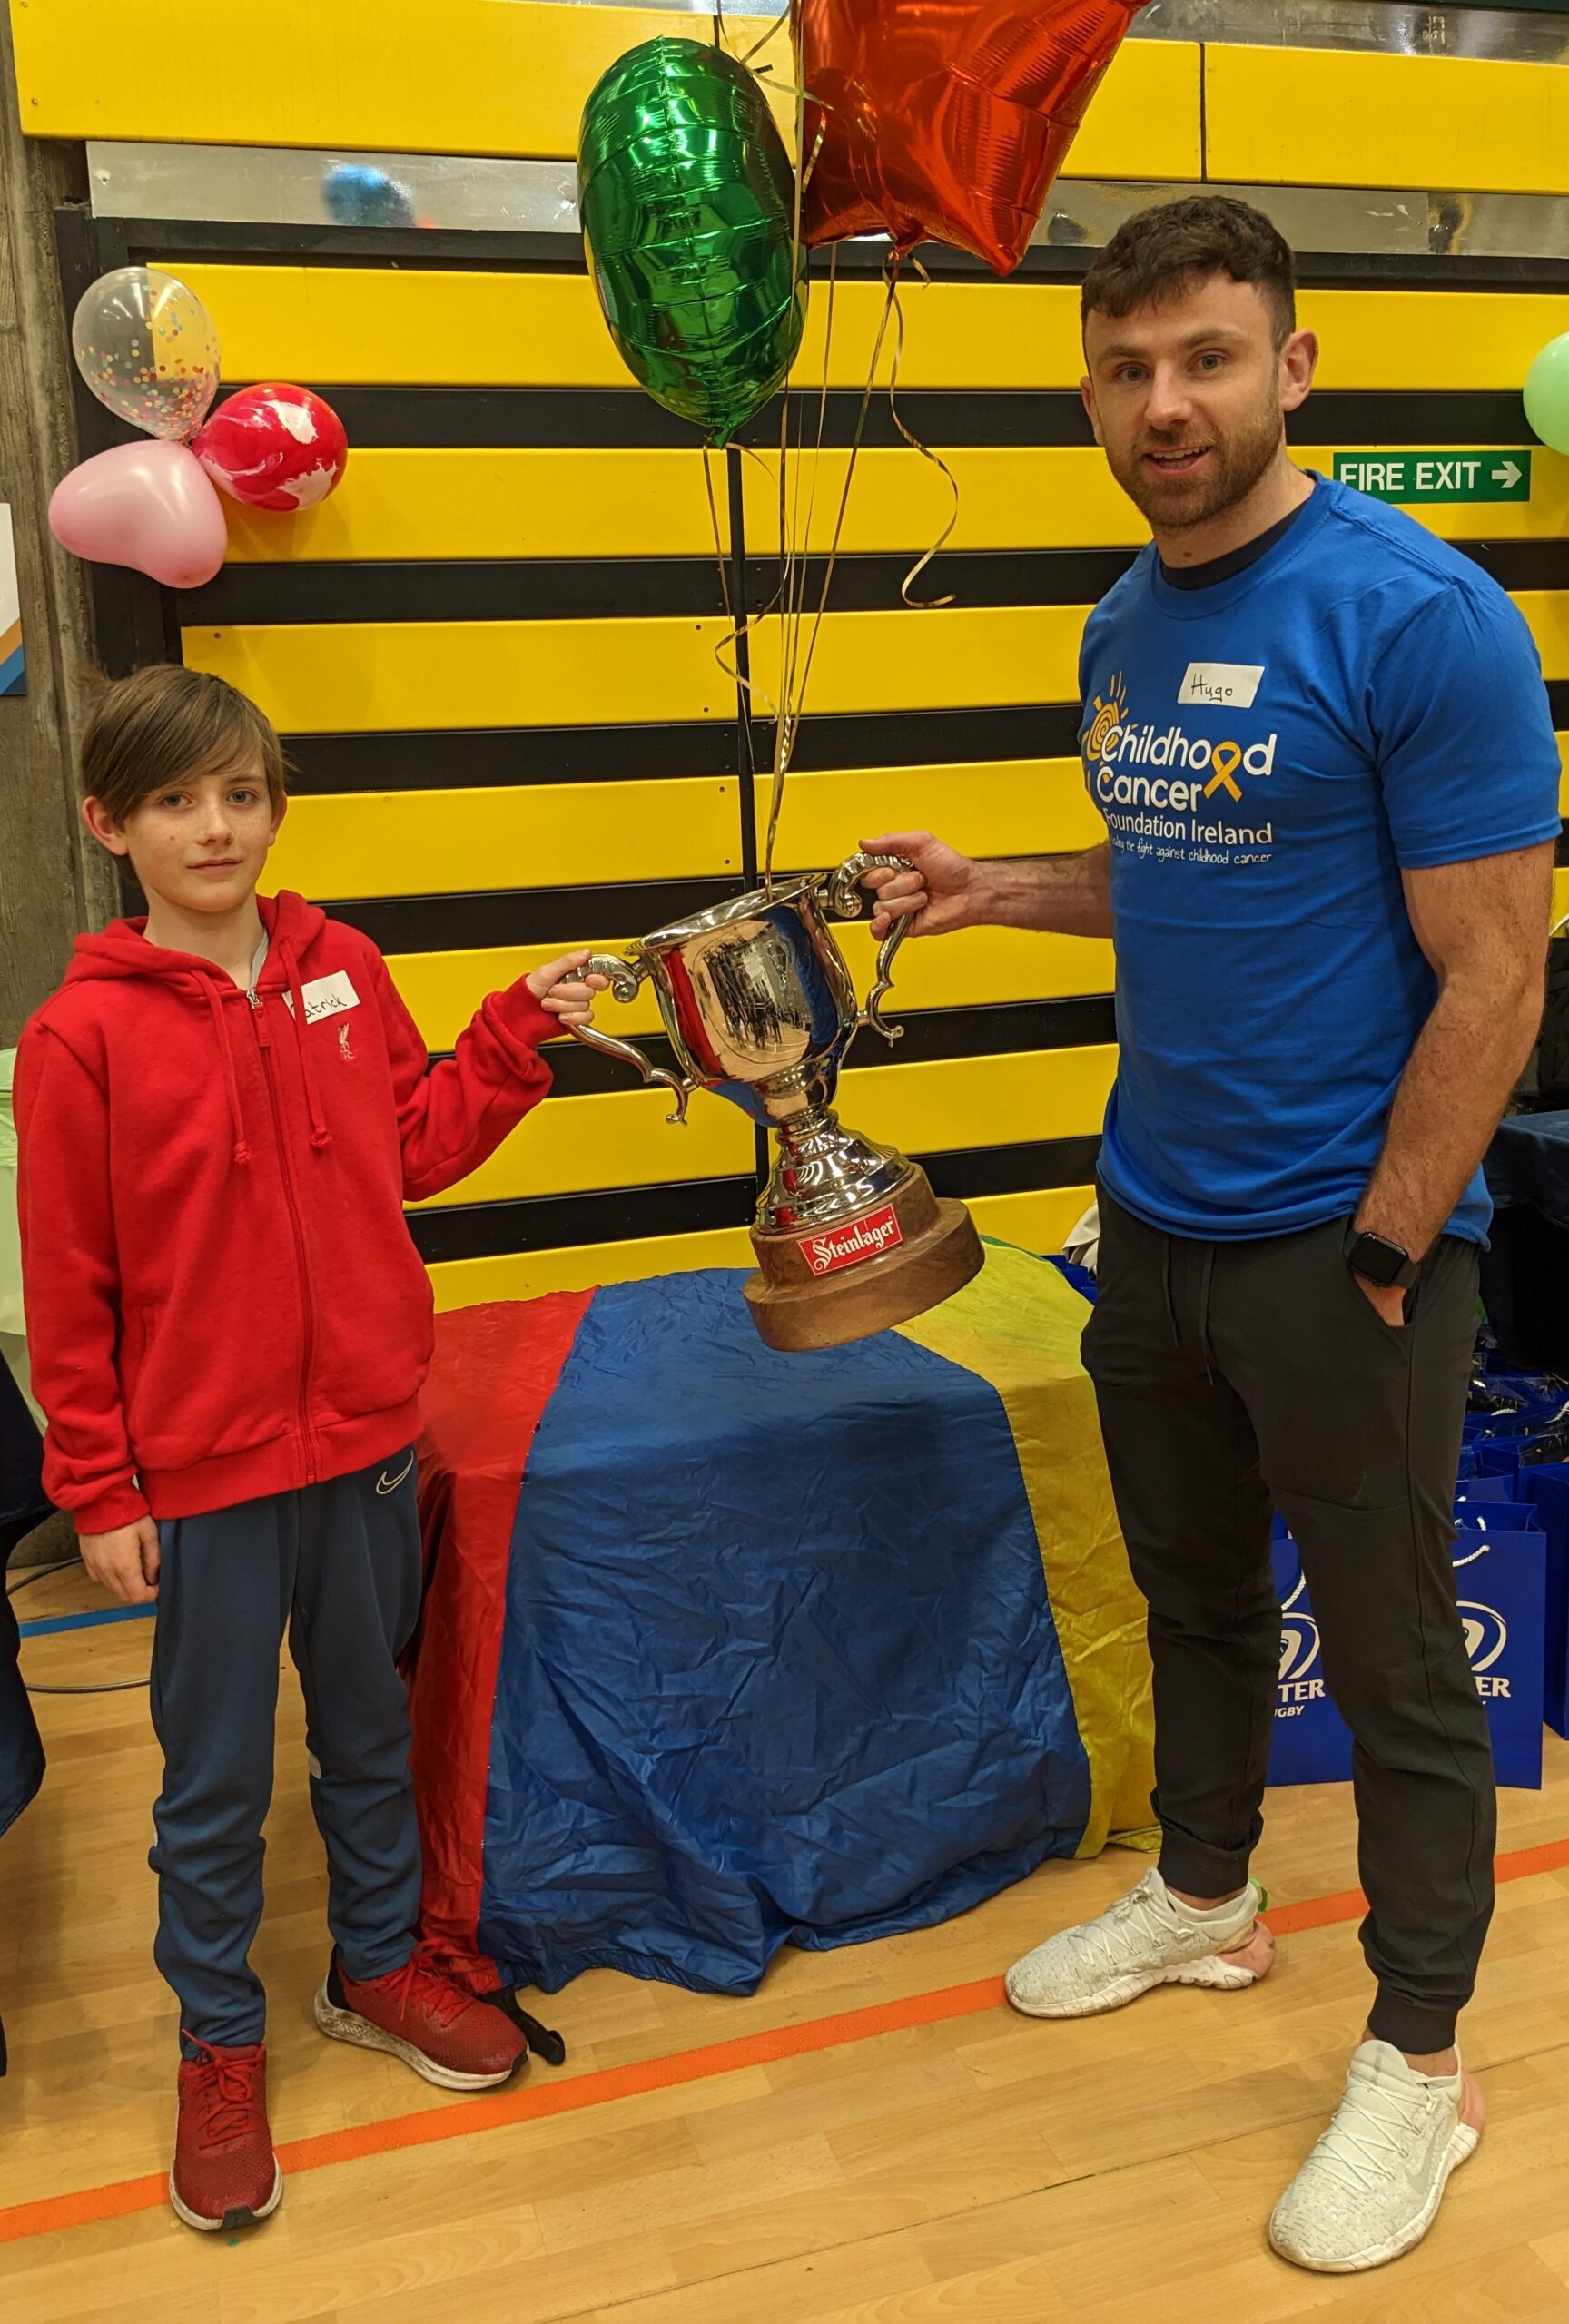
(864, 1274)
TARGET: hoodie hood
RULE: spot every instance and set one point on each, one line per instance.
(122, 949)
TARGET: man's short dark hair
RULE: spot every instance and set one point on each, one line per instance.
(1172, 246)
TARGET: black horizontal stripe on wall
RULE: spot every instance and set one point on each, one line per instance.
(1028, 730)
(929, 1036)
(483, 918)
(1521, 564)
(967, 1173)
(634, 587)
(484, 1230)
(462, 758)
(626, 420)
(483, 758)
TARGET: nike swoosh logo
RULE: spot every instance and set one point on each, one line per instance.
(384, 1483)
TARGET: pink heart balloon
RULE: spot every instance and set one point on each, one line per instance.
(148, 505)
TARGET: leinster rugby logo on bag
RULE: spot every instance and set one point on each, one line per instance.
(1299, 1656)
(1486, 1636)
(848, 1246)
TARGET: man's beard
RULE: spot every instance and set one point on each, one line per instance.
(1234, 465)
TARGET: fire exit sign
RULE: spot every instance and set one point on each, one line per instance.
(1409, 477)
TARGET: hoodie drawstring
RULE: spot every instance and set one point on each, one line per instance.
(321, 1135)
(231, 1079)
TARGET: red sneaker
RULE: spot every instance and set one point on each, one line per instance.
(417, 2014)
(225, 2172)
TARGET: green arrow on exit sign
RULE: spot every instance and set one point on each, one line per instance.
(1410, 476)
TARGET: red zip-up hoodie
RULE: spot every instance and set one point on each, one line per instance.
(222, 1297)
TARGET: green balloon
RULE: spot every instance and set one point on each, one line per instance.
(1548, 394)
(688, 207)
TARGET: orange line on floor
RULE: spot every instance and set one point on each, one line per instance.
(536, 2101)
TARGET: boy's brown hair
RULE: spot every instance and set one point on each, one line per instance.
(166, 723)
(1173, 245)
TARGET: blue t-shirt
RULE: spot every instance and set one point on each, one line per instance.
(1269, 753)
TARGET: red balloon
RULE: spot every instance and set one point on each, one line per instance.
(946, 120)
(274, 447)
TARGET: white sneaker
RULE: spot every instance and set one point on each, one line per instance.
(1372, 2186)
(1146, 1938)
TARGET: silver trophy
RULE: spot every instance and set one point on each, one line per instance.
(759, 1007)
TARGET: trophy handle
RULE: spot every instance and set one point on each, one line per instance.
(624, 977)
(842, 893)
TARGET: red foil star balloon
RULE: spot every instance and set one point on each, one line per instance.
(946, 120)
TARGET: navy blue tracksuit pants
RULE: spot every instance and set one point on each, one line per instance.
(338, 1565)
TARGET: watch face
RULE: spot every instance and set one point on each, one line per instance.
(1379, 1261)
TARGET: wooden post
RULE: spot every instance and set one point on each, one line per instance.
(54, 881)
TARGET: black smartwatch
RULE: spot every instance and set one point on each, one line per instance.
(1379, 1261)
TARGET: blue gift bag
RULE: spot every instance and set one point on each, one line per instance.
(1501, 1578)
(1547, 1487)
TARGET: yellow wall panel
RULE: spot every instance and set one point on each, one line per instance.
(1430, 339)
(979, 966)
(1145, 119)
(981, 1100)
(982, 965)
(946, 659)
(370, 676)
(530, 1275)
(545, 835)
(454, 502)
(1547, 611)
(499, 78)
(569, 1144)
(376, 324)
(380, 677)
(449, 502)
(1007, 807)
(442, 990)
(481, 76)
(1297, 117)
(572, 1145)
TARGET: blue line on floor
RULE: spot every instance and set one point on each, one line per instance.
(85, 1621)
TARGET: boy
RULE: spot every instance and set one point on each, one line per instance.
(221, 1113)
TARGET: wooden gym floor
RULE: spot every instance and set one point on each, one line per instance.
(873, 2139)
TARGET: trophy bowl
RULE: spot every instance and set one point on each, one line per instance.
(760, 1008)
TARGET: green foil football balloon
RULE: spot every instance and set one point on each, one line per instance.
(688, 207)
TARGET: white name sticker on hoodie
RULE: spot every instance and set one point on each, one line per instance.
(328, 996)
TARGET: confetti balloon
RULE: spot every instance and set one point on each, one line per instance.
(946, 120)
(147, 505)
(274, 447)
(146, 346)
(688, 207)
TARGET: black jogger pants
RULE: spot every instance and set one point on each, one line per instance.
(1235, 1376)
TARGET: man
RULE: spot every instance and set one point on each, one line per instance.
(1321, 742)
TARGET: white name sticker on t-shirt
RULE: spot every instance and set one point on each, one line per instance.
(1222, 686)
(329, 996)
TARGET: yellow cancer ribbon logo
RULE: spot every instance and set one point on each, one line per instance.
(1228, 758)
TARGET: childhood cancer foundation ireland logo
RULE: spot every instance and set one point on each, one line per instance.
(1115, 746)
